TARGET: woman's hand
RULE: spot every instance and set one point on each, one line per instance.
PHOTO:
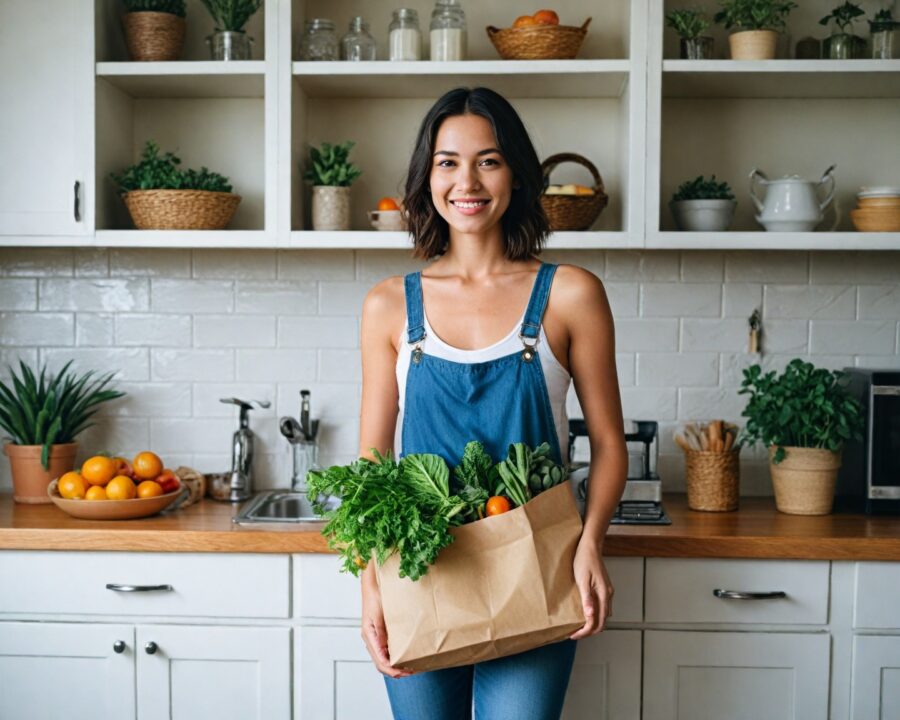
(374, 633)
(595, 588)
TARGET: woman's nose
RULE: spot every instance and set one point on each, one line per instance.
(467, 177)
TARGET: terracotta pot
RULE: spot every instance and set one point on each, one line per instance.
(804, 481)
(753, 44)
(153, 36)
(30, 480)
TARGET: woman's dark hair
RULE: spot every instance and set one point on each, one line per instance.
(525, 226)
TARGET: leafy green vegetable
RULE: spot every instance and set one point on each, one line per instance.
(702, 189)
(232, 14)
(475, 479)
(162, 173)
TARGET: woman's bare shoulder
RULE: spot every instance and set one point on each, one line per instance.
(384, 308)
(576, 289)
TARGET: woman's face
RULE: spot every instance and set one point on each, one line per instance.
(471, 184)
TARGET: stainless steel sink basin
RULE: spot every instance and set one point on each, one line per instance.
(276, 506)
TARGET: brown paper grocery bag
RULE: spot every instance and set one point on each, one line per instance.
(505, 585)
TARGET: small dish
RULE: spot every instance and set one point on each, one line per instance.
(876, 219)
(113, 509)
(879, 191)
(387, 220)
(880, 201)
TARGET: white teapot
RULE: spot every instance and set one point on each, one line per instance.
(791, 203)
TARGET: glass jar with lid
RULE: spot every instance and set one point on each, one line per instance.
(404, 36)
(358, 44)
(448, 31)
(319, 42)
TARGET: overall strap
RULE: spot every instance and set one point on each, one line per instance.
(415, 315)
(538, 302)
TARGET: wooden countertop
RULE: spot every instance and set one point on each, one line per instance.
(756, 530)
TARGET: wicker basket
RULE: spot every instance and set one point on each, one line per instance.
(153, 35)
(713, 479)
(180, 209)
(573, 212)
(538, 42)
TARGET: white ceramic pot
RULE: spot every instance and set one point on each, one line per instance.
(791, 203)
(703, 215)
(330, 207)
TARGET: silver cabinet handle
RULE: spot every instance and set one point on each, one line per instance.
(150, 648)
(742, 595)
(116, 587)
(119, 647)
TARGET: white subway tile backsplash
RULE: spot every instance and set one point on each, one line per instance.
(677, 369)
(648, 403)
(115, 436)
(855, 267)
(281, 297)
(340, 436)
(623, 299)
(150, 399)
(36, 262)
(729, 334)
(315, 265)
(342, 298)
(235, 264)
(375, 265)
(30, 328)
(637, 266)
(879, 302)
(625, 368)
(877, 362)
(775, 267)
(275, 365)
(91, 262)
(339, 366)
(702, 266)
(95, 329)
(202, 365)
(207, 398)
(592, 260)
(741, 299)
(209, 435)
(192, 296)
(234, 331)
(125, 363)
(827, 302)
(710, 404)
(785, 336)
(318, 332)
(647, 335)
(681, 300)
(153, 329)
(327, 400)
(18, 294)
(10, 357)
(159, 262)
(862, 337)
(94, 294)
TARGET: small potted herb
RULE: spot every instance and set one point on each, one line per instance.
(229, 40)
(690, 24)
(331, 175)
(843, 44)
(701, 205)
(884, 29)
(804, 416)
(42, 415)
(758, 23)
(154, 29)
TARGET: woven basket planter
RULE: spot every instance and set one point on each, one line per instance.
(713, 479)
(153, 35)
(180, 209)
(753, 44)
(804, 481)
(573, 212)
(538, 42)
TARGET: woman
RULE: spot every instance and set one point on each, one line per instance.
(472, 199)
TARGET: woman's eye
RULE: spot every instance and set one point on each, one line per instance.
(448, 163)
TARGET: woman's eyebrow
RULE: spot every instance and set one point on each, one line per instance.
(486, 151)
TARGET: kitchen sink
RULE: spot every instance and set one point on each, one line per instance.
(276, 506)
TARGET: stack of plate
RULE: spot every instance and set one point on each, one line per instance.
(879, 209)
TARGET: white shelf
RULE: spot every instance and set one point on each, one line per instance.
(781, 78)
(228, 239)
(200, 79)
(773, 241)
(513, 78)
(376, 240)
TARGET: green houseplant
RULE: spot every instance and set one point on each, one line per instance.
(161, 196)
(883, 28)
(843, 44)
(229, 41)
(154, 29)
(42, 415)
(702, 205)
(804, 416)
(331, 174)
(758, 23)
(690, 24)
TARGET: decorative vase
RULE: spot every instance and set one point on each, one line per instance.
(230, 45)
(703, 215)
(698, 48)
(330, 207)
(883, 42)
(153, 36)
(804, 481)
(753, 44)
(30, 480)
(843, 46)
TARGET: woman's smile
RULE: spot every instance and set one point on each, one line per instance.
(470, 206)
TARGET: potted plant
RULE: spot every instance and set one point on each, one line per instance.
(331, 175)
(804, 416)
(883, 28)
(842, 44)
(42, 416)
(154, 29)
(690, 24)
(229, 41)
(758, 23)
(161, 196)
(701, 205)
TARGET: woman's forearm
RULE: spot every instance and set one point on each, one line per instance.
(606, 483)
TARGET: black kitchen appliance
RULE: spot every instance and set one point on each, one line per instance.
(869, 479)
(641, 502)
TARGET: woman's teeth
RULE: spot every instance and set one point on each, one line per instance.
(479, 203)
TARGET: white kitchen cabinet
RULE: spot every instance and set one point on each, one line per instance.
(606, 678)
(47, 126)
(875, 693)
(739, 676)
(66, 670)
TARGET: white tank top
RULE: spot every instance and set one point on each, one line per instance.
(555, 375)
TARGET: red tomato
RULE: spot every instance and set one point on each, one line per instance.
(497, 505)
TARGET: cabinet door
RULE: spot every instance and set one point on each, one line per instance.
(606, 679)
(46, 137)
(213, 672)
(335, 678)
(61, 670)
(875, 691)
(739, 676)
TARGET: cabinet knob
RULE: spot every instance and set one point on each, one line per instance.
(119, 647)
(150, 648)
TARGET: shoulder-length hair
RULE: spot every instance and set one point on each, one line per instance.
(525, 226)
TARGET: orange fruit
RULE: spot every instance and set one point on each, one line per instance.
(71, 486)
(98, 470)
(96, 492)
(149, 488)
(524, 21)
(546, 17)
(147, 465)
(120, 488)
(388, 203)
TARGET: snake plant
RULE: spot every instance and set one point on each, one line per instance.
(52, 409)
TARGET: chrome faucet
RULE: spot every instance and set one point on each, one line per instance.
(241, 483)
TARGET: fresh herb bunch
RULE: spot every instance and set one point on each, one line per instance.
(173, 7)
(329, 165)
(48, 410)
(162, 173)
(475, 480)
(688, 23)
(882, 20)
(232, 14)
(805, 406)
(754, 14)
(844, 16)
(701, 189)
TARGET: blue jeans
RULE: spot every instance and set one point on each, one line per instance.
(528, 686)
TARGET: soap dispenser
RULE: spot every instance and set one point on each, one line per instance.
(241, 483)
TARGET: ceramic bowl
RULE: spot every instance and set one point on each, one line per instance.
(113, 509)
(879, 191)
(880, 201)
(387, 220)
(876, 219)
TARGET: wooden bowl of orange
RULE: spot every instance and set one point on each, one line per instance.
(538, 37)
